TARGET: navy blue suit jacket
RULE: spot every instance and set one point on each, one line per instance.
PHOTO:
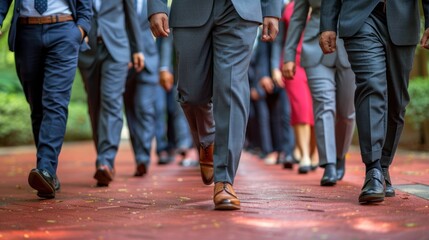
(81, 11)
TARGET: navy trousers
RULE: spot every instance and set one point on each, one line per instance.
(46, 60)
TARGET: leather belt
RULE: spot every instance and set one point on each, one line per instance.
(46, 19)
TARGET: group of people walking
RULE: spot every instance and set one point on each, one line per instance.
(111, 43)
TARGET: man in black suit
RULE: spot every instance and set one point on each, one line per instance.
(380, 37)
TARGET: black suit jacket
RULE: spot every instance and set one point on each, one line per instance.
(403, 18)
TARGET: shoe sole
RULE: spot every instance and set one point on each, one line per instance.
(390, 194)
(373, 198)
(103, 178)
(328, 184)
(227, 206)
(44, 189)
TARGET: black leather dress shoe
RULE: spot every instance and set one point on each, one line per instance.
(329, 176)
(390, 191)
(45, 184)
(341, 168)
(165, 158)
(141, 170)
(286, 160)
(104, 175)
(373, 189)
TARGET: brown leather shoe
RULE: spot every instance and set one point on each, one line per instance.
(224, 197)
(104, 175)
(206, 164)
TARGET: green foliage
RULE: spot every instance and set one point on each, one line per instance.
(9, 82)
(418, 109)
(15, 124)
(78, 124)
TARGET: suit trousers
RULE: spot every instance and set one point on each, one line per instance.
(46, 60)
(332, 90)
(382, 72)
(140, 111)
(212, 67)
(104, 79)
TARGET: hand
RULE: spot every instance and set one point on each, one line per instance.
(254, 95)
(289, 70)
(166, 80)
(277, 77)
(424, 41)
(82, 32)
(270, 28)
(138, 61)
(328, 41)
(159, 25)
(267, 84)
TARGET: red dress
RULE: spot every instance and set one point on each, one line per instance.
(297, 88)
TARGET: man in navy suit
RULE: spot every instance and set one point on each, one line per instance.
(46, 37)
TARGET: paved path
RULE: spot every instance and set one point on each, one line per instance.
(172, 203)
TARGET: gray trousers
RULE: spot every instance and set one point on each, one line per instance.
(211, 68)
(104, 81)
(332, 90)
(382, 72)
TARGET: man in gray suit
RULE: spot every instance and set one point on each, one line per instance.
(331, 81)
(380, 37)
(213, 42)
(140, 98)
(104, 69)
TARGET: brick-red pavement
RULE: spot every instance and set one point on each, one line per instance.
(172, 203)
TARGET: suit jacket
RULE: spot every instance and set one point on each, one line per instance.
(118, 25)
(311, 54)
(195, 13)
(81, 12)
(403, 18)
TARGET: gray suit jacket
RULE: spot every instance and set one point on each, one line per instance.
(195, 13)
(403, 18)
(311, 53)
(150, 51)
(118, 25)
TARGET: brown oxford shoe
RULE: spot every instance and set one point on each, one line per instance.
(104, 175)
(206, 164)
(224, 197)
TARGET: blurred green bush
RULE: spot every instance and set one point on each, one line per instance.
(418, 108)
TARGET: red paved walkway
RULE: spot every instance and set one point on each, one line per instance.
(172, 203)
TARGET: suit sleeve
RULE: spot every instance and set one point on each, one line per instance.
(329, 12)
(132, 26)
(276, 47)
(263, 60)
(166, 53)
(157, 6)
(84, 14)
(4, 8)
(425, 4)
(296, 27)
(270, 8)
